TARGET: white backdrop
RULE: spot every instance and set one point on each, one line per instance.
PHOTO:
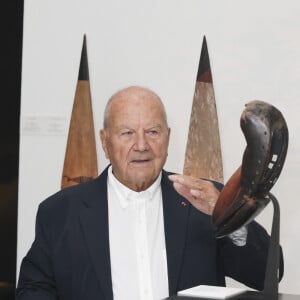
(254, 52)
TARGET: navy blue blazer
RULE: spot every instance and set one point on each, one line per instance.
(70, 258)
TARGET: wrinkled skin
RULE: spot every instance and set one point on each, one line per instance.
(136, 137)
(200, 193)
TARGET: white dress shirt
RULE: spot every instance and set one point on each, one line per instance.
(137, 242)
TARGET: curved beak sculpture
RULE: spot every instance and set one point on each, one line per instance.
(245, 194)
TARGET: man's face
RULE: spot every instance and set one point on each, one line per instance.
(136, 138)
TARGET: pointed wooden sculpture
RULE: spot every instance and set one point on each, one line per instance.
(203, 157)
(81, 157)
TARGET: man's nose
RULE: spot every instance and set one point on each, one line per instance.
(141, 143)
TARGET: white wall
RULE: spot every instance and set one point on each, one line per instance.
(254, 51)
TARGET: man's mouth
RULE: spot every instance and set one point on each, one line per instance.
(140, 161)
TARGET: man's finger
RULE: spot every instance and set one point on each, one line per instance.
(190, 182)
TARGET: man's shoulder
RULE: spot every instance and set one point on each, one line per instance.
(75, 196)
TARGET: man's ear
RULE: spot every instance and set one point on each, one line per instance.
(169, 133)
(103, 138)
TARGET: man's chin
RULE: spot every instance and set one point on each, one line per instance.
(142, 179)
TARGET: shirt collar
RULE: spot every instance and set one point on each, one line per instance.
(125, 194)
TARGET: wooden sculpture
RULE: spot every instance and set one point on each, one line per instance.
(81, 158)
(203, 158)
(247, 191)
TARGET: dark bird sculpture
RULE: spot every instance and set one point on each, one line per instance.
(246, 193)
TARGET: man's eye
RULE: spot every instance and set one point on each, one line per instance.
(126, 133)
(153, 132)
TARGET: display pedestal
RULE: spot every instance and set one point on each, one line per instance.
(249, 295)
(270, 291)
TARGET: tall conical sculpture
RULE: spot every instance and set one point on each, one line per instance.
(203, 157)
(81, 156)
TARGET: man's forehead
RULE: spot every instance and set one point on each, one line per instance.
(150, 106)
(135, 103)
(133, 116)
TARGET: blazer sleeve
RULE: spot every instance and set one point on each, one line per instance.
(247, 264)
(36, 280)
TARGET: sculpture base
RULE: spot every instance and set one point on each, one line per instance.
(249, 295)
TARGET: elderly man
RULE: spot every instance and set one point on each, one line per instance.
(135, 232)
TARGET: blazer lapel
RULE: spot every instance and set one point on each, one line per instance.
(94, 221)
(176, 211)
